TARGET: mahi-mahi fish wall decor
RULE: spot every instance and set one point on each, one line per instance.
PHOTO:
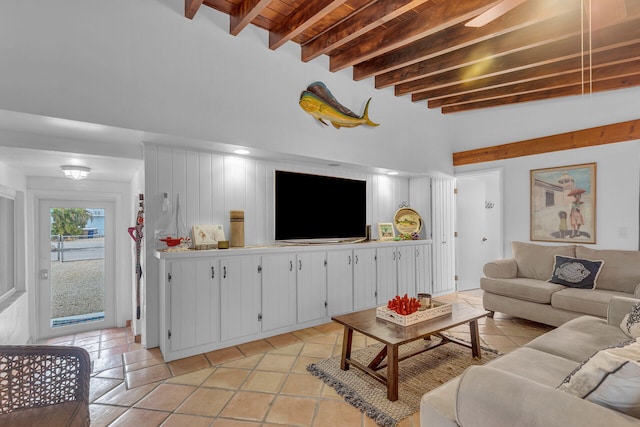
(318, 101)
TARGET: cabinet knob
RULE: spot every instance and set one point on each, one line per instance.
(300, 264)
(213, 272)
(290, 265)
(224, 272)
(349, 259)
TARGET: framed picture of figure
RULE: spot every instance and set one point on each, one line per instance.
(563, 204)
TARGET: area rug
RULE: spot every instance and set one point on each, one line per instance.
(417, 375)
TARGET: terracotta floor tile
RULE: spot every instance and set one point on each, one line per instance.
(229, 378)
(140, 355)
(143, 364)
(114, 373)
(109, 362)
(103, 415)
(329, 392)
(302, 385)
(307, 334)
(122, 397)
(276, 362)
(291, 350)
(300, 367)
(116, 342)
(193, 378)
(99, 386)
(115, 351)
(283, 340)
(95, 339)
(294, 411)
(183, 420)
(317, 350)
(166, 397)
(147, 375)
(224, 422)
(331, 339)
(140, 418)
(246, 405)
(207, 402)
(189, 364)
(249, 362)
(255, 347)
(268, 382)
(86, 334)
(330, 327)
(224, 355)
(333, 413)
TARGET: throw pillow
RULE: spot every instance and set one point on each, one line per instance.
(610, 378)
(575, 272)
(630, 324)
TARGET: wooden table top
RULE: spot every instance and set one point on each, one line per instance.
(366, 322)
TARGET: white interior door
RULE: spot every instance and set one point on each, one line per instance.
(75, 290)
(479, 226)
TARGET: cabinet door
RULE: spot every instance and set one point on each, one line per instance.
(194, 301)
(339, 282)
(278, 291)
(423, 269)
(364, 279)
(406, 260)
(311, 282)
(240, 294)
(386, 274)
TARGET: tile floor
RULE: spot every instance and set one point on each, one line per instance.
(261, 383)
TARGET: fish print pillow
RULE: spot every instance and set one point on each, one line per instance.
(630, 324)
(575, 272)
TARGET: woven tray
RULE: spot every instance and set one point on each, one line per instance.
(437, 309)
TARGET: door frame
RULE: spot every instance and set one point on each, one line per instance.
(499, 204)
(74, 199)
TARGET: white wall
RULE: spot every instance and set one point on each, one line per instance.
(142, 65)
(617, 187)
(14, 312)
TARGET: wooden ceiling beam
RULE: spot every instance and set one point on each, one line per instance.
(430, 21)
(304, 17)
(626, 81)
(537, 35)
(459, 36)
(358, 24)
(608, 38)
(607, 64)
(245, 12)
(608, 134)
(191, 8)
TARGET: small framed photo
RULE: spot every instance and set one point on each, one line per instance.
(386, 231)
(563, 204)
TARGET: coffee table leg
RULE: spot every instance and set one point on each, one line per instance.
(392, 372)
(475, 339)
(346, 348)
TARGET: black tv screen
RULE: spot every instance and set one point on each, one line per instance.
(316, 207)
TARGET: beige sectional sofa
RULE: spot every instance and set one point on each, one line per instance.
(520, 286)
(523, 388)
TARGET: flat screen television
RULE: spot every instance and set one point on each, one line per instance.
(317, 208)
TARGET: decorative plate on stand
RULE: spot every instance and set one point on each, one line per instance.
(407, 221)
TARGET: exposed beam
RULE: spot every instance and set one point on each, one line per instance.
(459, 36)
(627, 58)
(304, 17)
(430, 21)
(536, 35)
(608, 134)
(365, 20)
(623, 82)
(244, 13)
(191, 7)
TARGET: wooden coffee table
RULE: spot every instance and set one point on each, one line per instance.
(393, 336)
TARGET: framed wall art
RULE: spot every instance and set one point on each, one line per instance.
(386, 231)
(563, 204)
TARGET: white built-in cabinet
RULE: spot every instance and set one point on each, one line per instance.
(216, 299)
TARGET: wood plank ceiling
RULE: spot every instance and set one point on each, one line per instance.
(541, 49)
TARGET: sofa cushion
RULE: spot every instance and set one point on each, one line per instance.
(630, 324)
(579, 338)
(575, 272)
(594, 302)
(610, 378)
(523, 289)
(501, 269)
(535, 365)
(536, 261)
(621, 271)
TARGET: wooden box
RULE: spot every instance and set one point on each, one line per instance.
(437, 309)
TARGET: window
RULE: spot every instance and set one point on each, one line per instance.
(7, 243)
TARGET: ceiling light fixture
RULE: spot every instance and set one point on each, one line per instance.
(392, 173)
(242, 151)
(75, 172)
